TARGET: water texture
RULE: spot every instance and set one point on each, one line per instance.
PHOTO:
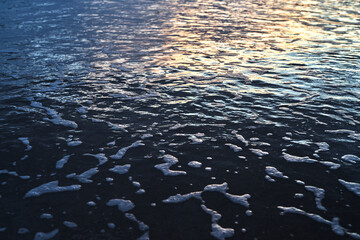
(179, 119)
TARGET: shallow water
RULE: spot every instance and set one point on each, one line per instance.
(179, 119)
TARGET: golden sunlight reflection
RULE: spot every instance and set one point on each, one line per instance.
(207, 38)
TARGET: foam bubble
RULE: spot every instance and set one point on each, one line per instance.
(26, 142)
(319, 196)
(51, 187)
(120, 169)
(182, 198)
(351, 186)
(350, 158)
(242, 139)
(74, 143)
(292, 158)
(70, 224)
(234, 147)
(46, 216)
(239, 199)
(120, 154)
(84, 177)
(165, 167)
(195, 164)
(46, 236)
(123, 205)
(100, 157)
(60, 164)
(142, 225)
(272, 171)
(258, 152)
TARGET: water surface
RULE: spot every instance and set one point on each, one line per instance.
(249, 110)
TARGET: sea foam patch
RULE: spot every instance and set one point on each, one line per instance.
(165, 167)
(51, 187)
(120, 154)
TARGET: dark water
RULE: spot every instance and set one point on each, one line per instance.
(247, 89)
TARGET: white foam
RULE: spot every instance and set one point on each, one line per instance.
(195, 164)
(62, 162)
(258, 152)
(145, 236)
(46, 236)
(330, 164)
(142, 225)
(136, 184)
(260, 144)
(298, 195)
(70, 224)
(248, 213)
(56, 118)
(116, 126)
(272, 171)
(234, 147)
(242, 139)
(355, 136)
(221, 233)
(120, 169)
(46, 216)
(319, 196)
(177, 126)
(140, 191)
(215, 216)
(195, 140)
(84, 177)
(239, 199)
(336, 228)
(111, 225)
(2, 229)
(301, 212)
(74, 143)
(165, 167)
(82, 110)
(323, 146)
(350, 158)
(182, 198)
(51, 187)
(292, 158)
(145, 136)
(340, 131)
(100, 157)
(351, 186)
(216, 230)
(120, 154)
(12, 173)
(91, 203)
(26, 142)
(270, 179)
(110, 125)
(222, 188)
(123, 205)
(300, 182)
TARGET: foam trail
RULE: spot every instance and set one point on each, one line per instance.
(51, 187)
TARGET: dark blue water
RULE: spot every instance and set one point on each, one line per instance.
(179, 119)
